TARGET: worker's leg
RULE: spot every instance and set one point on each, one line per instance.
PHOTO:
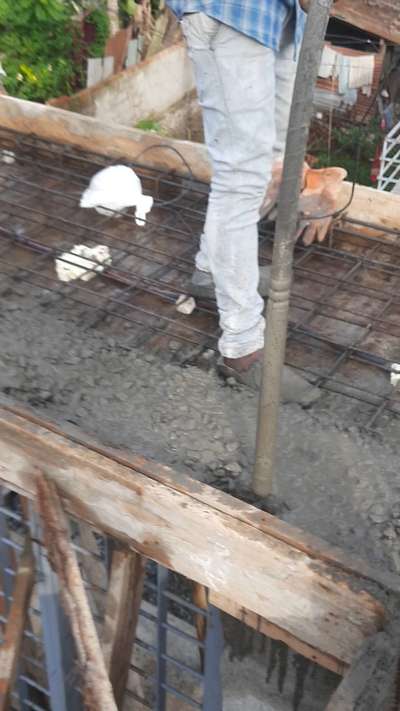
(236, 85)
(285, 75)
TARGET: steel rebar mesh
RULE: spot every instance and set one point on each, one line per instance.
(344, 316)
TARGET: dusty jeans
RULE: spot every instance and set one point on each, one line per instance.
(245, 90)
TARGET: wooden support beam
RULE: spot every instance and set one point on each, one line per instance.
(122, 612)
(381, 18)
(296, 538)
(260, 624)
(11, 647)
(209, 537)
(98, 694)
(200, 599)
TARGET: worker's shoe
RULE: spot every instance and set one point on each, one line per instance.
(248, 370)
(201, 284)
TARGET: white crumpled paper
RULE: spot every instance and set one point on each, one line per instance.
(82, 262)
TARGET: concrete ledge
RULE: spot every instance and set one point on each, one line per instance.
(108, 139)
(150, 87)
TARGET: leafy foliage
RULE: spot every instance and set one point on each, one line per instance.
(353, 148)
(38, 39)
(127, 9)
(99, 19)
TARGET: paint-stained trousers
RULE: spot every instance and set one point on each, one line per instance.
(245, 91)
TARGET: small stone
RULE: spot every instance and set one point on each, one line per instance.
(234, 469)
(218, 448)
(71, 360)
(190, 425)
(231, 382)
(232, 447)
(378, 513)
(207, 457)
(389, 533)
(396, 510)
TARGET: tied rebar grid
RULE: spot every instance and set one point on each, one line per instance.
(166, 659)
(345, 308)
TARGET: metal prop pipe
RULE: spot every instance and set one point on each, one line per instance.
(282, 259)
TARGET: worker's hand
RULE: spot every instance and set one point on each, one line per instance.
(319, 200)
(274, 186)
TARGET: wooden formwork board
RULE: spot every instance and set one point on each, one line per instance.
(10, 648)
(308, 598)
(379, 17)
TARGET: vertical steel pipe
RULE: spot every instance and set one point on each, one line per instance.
(282, 259)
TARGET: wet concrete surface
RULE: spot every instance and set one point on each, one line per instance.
(338, 480)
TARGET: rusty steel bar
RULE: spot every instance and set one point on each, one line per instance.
(282, 259)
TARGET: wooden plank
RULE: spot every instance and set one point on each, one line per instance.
(381, 18)
(327, 609)
(11, 647)
(305, 542)
(124, 597)
(98, 694)
(200, 599)
(370, 205)
(260, 624)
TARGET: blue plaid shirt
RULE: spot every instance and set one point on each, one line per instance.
(263, 20)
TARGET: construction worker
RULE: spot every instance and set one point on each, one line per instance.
(244, 57)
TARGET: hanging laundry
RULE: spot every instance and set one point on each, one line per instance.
(362, 70)
(328, 66)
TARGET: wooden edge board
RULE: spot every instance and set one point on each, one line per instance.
(217, 549)
(297, 538)
(380, 18)
(124, 597)
(86, 133)
(260, 624)
(14, 631)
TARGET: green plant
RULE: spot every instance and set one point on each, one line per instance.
(127, 9)
(38, 42)
(352, 148)
(99, 19)
(149, 125)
